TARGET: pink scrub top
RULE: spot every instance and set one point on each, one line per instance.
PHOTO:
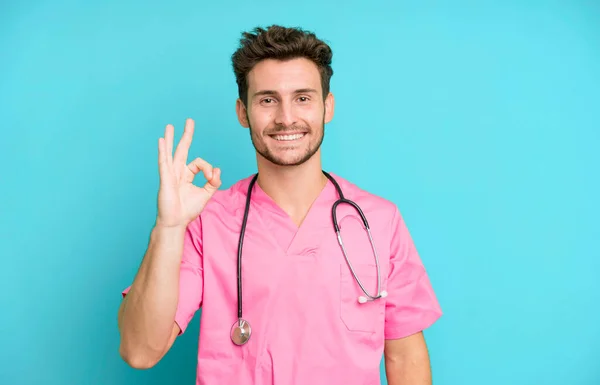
(299, 295)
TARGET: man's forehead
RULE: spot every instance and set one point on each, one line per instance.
(284, 76)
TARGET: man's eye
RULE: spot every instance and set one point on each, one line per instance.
(303, 99)
(267, 100)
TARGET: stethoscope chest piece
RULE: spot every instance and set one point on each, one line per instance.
(240, 332)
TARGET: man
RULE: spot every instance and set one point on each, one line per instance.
(303, 316)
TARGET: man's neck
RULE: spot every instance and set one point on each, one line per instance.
(293, 188)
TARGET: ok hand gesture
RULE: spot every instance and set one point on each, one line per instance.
(179, 200)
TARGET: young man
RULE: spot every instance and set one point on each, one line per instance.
(286, 305)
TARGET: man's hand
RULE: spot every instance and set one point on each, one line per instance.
(179, 200)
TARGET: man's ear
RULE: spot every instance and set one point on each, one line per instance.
(329, 107)
(242, 113)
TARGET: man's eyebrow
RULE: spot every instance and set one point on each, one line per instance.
(264, 92)
(306, 91)
(272, 92)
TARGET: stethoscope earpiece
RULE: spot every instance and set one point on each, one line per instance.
(363, 299)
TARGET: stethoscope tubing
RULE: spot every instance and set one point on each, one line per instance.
(243, 325)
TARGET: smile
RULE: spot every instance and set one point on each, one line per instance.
(283, 138)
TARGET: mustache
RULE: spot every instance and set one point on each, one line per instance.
(283, 129)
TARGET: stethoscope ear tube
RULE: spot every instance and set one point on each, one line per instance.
(336, 227)
(367, 297)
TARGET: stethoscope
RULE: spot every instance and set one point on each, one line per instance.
(241, 330)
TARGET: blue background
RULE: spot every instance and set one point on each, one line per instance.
(479, 119)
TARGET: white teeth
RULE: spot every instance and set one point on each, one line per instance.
(288, 137)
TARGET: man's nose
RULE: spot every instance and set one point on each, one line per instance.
(285, 115)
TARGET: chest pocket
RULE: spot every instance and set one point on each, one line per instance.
(360, 317)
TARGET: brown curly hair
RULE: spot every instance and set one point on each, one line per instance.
(280, 43)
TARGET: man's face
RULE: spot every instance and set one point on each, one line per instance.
(286, 113)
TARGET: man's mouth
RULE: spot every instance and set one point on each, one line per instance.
(288, 137)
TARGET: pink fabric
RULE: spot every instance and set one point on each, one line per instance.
(298, 293)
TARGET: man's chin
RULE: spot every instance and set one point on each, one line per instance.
(285, 161)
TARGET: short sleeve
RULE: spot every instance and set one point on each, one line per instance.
(411, 304)
(190, 276)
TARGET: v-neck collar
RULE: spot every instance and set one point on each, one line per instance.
(301, 239)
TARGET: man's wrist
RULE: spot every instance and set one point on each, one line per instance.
(161, 231)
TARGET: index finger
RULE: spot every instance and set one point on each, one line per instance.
(196, 166)
(181, 153)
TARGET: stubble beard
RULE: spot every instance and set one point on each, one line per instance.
(263, 150)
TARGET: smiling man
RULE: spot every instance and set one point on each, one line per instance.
(294, 287)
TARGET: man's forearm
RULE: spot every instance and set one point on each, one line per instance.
(407, 361)
(408, 372)
(147, 314)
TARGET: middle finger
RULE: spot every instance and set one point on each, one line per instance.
(181, 153)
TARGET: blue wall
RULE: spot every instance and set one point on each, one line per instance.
(480, 121)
